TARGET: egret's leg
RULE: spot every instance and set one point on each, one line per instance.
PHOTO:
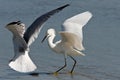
(73, 65)
(63, 66)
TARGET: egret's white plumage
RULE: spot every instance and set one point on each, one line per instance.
(72, 37)
(22, 39)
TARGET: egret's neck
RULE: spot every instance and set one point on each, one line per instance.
(50, 41)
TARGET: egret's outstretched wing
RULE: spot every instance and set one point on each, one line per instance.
(32, 32)
(74, 26)
(75, 23)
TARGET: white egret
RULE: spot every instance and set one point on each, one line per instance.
(22, 40)
(72, 37)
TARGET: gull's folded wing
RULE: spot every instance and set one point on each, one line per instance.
(21, 61)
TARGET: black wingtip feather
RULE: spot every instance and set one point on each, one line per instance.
(60, 8)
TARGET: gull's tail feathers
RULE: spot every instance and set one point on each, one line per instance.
(23, 64)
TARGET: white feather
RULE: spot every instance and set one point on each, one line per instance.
(23, 63)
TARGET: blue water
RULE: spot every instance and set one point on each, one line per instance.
(101, 39)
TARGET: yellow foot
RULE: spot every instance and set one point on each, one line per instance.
(55, 73)
(71, 73)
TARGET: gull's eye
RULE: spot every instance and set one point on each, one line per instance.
(18, 22)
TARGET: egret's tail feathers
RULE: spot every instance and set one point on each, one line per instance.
(23, 63)
(81, 53)
(75, 51)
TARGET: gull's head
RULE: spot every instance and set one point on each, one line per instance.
(16, 26)
(50, 32)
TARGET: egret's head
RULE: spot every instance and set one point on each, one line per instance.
(16, 26)
(50, 32)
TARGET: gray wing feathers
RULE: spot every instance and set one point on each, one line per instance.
(20, 46)
(32, 32)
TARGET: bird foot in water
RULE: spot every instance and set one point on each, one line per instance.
(55, 73)
(71, 73)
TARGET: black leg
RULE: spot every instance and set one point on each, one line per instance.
(63, 66)
(73, 65)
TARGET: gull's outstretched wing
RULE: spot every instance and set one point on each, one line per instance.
(32, 32)
(74, 26)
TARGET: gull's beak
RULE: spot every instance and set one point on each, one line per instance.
(6, 27)
(44, 38)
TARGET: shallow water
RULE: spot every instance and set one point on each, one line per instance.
(101, 39)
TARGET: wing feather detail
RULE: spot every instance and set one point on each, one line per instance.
(32, 32)
(72, 29)
(76, 23)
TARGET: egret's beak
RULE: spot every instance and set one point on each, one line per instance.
(44, 38)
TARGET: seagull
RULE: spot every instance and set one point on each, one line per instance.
(71, 38)
(22, 40)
